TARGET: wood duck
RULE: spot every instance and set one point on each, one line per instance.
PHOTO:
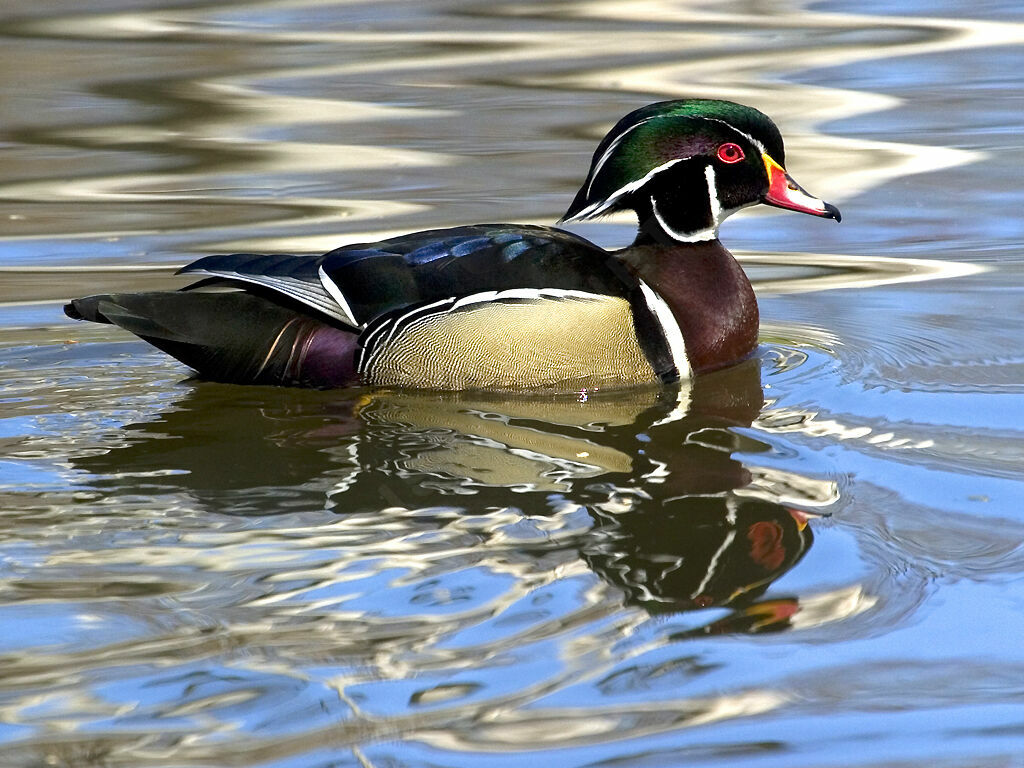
(505, 306)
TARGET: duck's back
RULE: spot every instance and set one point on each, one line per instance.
(358, 283)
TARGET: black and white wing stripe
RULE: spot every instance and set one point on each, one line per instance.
(298, 277)
(380, 332)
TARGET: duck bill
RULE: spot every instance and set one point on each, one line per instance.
(783, 192)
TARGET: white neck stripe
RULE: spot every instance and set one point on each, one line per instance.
(701, 235)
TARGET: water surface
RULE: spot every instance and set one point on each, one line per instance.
(810, 559)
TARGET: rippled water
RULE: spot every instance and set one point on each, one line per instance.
(811, 559)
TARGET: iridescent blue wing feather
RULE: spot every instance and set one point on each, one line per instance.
(377, 278)
(358, 283)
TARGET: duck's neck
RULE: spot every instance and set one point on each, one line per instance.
(708, 293)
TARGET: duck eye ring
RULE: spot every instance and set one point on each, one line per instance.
(730, 153)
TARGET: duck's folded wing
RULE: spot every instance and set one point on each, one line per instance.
(356, 284)
(438, 264)
(296, 277)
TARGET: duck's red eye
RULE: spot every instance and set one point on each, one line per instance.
(730, 153)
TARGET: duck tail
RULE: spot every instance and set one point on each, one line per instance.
(237, 337)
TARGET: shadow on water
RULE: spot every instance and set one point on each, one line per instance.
(675, 522)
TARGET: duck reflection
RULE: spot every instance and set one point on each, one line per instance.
(678, 522)
(703, 551)
(644, 443)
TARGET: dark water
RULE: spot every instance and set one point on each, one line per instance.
(813, 559)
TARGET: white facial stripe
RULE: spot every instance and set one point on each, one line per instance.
(595, 208)
(618, 140)
(331, 287)
(744, 134)
(669, 326)
(611, 148)
(701, 235)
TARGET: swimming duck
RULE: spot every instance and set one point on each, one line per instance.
(504, 305)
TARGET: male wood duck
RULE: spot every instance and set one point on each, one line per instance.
(505, 306)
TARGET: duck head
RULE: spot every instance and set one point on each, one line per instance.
(684, 166)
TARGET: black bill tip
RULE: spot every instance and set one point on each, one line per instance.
(831, 212)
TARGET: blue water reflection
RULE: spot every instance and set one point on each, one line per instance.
(812, 560)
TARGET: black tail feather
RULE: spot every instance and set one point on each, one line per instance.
(85, 309)
(234, 337)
